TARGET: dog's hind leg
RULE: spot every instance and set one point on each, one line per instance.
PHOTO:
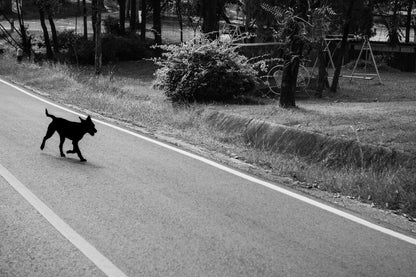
(49, 133)
(76, 149)
(61, 144)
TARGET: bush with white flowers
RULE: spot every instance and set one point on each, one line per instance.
(202, 70)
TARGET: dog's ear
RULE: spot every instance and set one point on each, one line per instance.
(80, 118)
(89, 118)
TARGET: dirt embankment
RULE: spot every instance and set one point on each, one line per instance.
(332, 152)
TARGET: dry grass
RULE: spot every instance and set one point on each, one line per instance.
(125, 92)
(382, 115)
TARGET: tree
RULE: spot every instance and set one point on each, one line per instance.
(409, 19)
(157, 23)
(210, 17)
(94, 11)
(192, 11)
(389, 10)
(7, 35)
(84, 15)
(290, 29)
(143, 21)
(179, 13)
(50, 6)
(343, 47)
(122, 15)
(320, 18)
(355, 15)
(98, 50)
(41, 8)
(26, 43)
(133, 16)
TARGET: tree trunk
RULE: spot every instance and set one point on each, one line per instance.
(289, 79)
(414, 32)
(343, 48)
(179, 11)
(122, 13)
(290, 71)
(409, 19)
(98, 50)
(394, 33)
(49, 52)
(84, 15)
(133, 16)
(128, 9)
(157, 23)
(143, 21)
(54, 34)
(94, 11)
(210, 24)
(26, 44)
(323, 82)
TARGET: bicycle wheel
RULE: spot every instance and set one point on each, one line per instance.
(274, 78)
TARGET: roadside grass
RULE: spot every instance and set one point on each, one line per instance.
(124, 92)
(381, 115)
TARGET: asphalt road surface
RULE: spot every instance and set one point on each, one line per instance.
(147, 210)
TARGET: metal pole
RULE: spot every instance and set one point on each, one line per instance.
(374, 61)
(356, 62)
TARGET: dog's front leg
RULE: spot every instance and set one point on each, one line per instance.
(76, 149)
(61, 144)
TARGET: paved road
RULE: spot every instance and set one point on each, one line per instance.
(155, 212)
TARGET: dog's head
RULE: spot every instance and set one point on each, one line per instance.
(89, 125)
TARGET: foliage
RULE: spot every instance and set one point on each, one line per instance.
(320, 20)
(202, 70)
(67, 38)
(112, 25)
(390, 13)
(361, 21)
(115, 48)
(286, 23)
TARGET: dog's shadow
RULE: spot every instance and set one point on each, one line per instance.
(71, 160)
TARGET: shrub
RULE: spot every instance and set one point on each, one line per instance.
(204, 71)
(75, 48)
(111, 25)
(114, 48)
(67, 38)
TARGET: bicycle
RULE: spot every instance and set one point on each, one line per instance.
(273, 79)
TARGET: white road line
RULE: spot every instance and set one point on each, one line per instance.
(104, 264)
(242, 175)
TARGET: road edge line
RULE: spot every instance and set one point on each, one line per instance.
(103, 263)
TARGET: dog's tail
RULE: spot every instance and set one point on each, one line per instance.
(49, 115)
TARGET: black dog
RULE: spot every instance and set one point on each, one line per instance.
(71, 130)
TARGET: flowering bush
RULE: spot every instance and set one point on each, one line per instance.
(204, 71)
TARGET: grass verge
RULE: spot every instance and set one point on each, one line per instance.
(130, 97)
